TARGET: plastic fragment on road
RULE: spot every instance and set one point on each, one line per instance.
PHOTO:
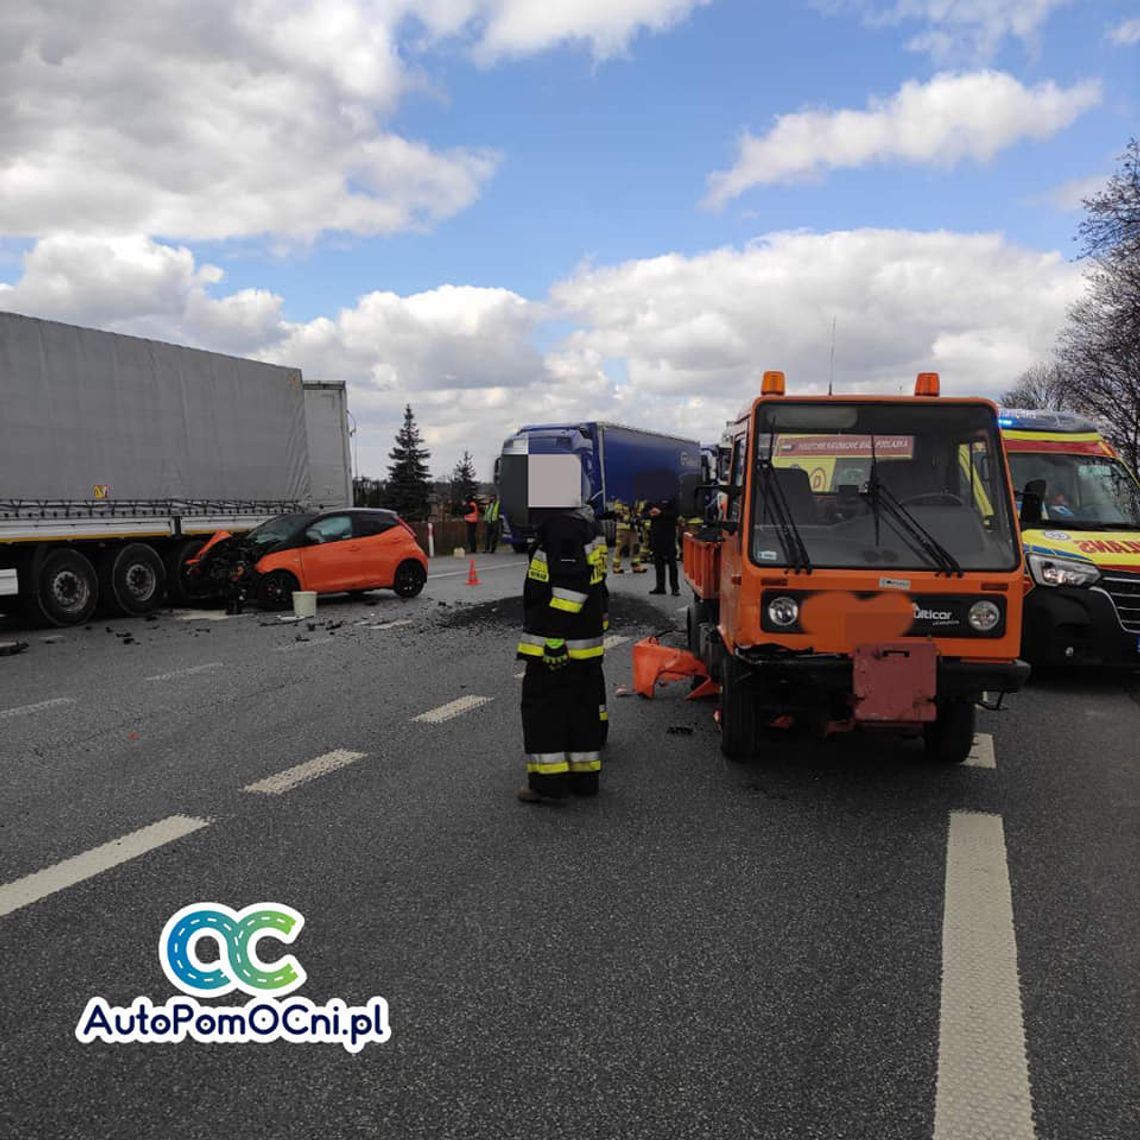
(11, 648)
(654, 664)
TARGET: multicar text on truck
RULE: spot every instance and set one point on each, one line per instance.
(868, 573)
(119, 456)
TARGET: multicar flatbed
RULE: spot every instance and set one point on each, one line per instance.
(867, 572)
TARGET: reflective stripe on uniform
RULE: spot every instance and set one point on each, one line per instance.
(586, 648)
(603, 713)
(538, 569)
(569, 600)
(585, 762)
(531, 645)
(547, 763)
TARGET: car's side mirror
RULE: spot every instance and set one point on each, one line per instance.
(1032, 502)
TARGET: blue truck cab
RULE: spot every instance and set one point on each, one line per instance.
(616, 464)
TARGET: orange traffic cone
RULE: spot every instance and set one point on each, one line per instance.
(472, 575)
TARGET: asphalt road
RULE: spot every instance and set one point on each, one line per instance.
(840, 941)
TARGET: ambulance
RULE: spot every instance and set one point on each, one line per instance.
(1079, 508)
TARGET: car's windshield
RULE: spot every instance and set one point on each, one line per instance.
(1085, 492)
(278, 530)
(894, 486)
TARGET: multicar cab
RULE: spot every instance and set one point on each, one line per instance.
(1080, 525)
(867, 572)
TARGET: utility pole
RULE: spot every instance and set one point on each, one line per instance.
(831, 371)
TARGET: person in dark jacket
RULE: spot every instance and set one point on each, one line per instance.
(663, 544)
(563, 689)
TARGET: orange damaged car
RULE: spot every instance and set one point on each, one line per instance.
(329, 552)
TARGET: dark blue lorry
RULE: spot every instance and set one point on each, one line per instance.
(617, 464)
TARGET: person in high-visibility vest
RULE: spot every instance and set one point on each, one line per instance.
(492, 525)
(471, 518)
(563, 645)
(627, 538)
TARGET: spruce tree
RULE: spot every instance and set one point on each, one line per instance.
(464, 484)
(408, 485)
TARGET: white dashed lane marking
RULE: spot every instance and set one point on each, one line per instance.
(302, 773)
(304, 644)
(983, 1075)
(384, 624)
(190, 672)
(452, 709)
(478, 568)
(40, 706)
(982, 754)
(39, 885)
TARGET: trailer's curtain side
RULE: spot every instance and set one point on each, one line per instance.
(81, 410)
(326, 416)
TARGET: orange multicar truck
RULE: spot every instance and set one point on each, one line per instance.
(887, 595)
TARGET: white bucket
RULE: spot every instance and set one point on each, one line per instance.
(305, 603)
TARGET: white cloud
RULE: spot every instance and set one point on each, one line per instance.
(950, 118)
(675, 343)
(958, 29)
(214, 119)
(1070, 196)
(1126, 33)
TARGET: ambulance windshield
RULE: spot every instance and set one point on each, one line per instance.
(888, 485)
(1085, 492)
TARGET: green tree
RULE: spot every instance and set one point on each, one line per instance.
(409, 486)
(463, 480)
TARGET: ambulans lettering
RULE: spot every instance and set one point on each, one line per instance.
(1107, 546)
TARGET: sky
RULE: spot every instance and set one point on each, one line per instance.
(511, 211)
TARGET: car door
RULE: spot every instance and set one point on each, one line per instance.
(378, 537)
(330, 556)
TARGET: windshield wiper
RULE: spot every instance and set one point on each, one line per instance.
(910, 528)
(790, 537)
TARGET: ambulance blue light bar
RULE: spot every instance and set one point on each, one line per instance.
(1033, 419)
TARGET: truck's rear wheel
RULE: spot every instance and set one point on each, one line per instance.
(950, 738)
(64, 588)
(739, 723)
(179, 588)
(132, 579)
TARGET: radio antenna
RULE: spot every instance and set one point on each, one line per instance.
(831, 371)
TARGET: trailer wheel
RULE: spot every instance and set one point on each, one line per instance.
(64, 588)
(410, 579)
(178, 584)
(275, 589)
(739, 723)
(950, 738)
(132, 579)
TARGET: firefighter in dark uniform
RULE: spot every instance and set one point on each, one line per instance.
(563, 690)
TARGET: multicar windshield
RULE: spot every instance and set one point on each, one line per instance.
(892, 486)
(278, 530)
(1084, 492)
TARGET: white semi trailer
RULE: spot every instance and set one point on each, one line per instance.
(119, 456)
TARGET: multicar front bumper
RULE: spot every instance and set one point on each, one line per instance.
(801, 681)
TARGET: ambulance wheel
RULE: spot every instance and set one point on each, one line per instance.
(275, 589)
(179, 584)
(132, 579)
(739, 723)
(64, 587)
(950, 738)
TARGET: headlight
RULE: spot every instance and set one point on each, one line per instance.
(984, 616)
(1048, 571)
(783, 611)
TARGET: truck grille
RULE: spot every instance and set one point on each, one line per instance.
(1124, 590)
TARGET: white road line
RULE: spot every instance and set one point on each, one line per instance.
(185, 672)
(614, 640)
(983, 1075)
(463, 573)
(39, 885)
(206, 615)
(23, 710)
(982, 754)
(452, 709)
(386, 624)
(302, 773)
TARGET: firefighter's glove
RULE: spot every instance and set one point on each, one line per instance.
(554, 655)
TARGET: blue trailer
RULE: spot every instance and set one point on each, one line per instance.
(616, 463)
